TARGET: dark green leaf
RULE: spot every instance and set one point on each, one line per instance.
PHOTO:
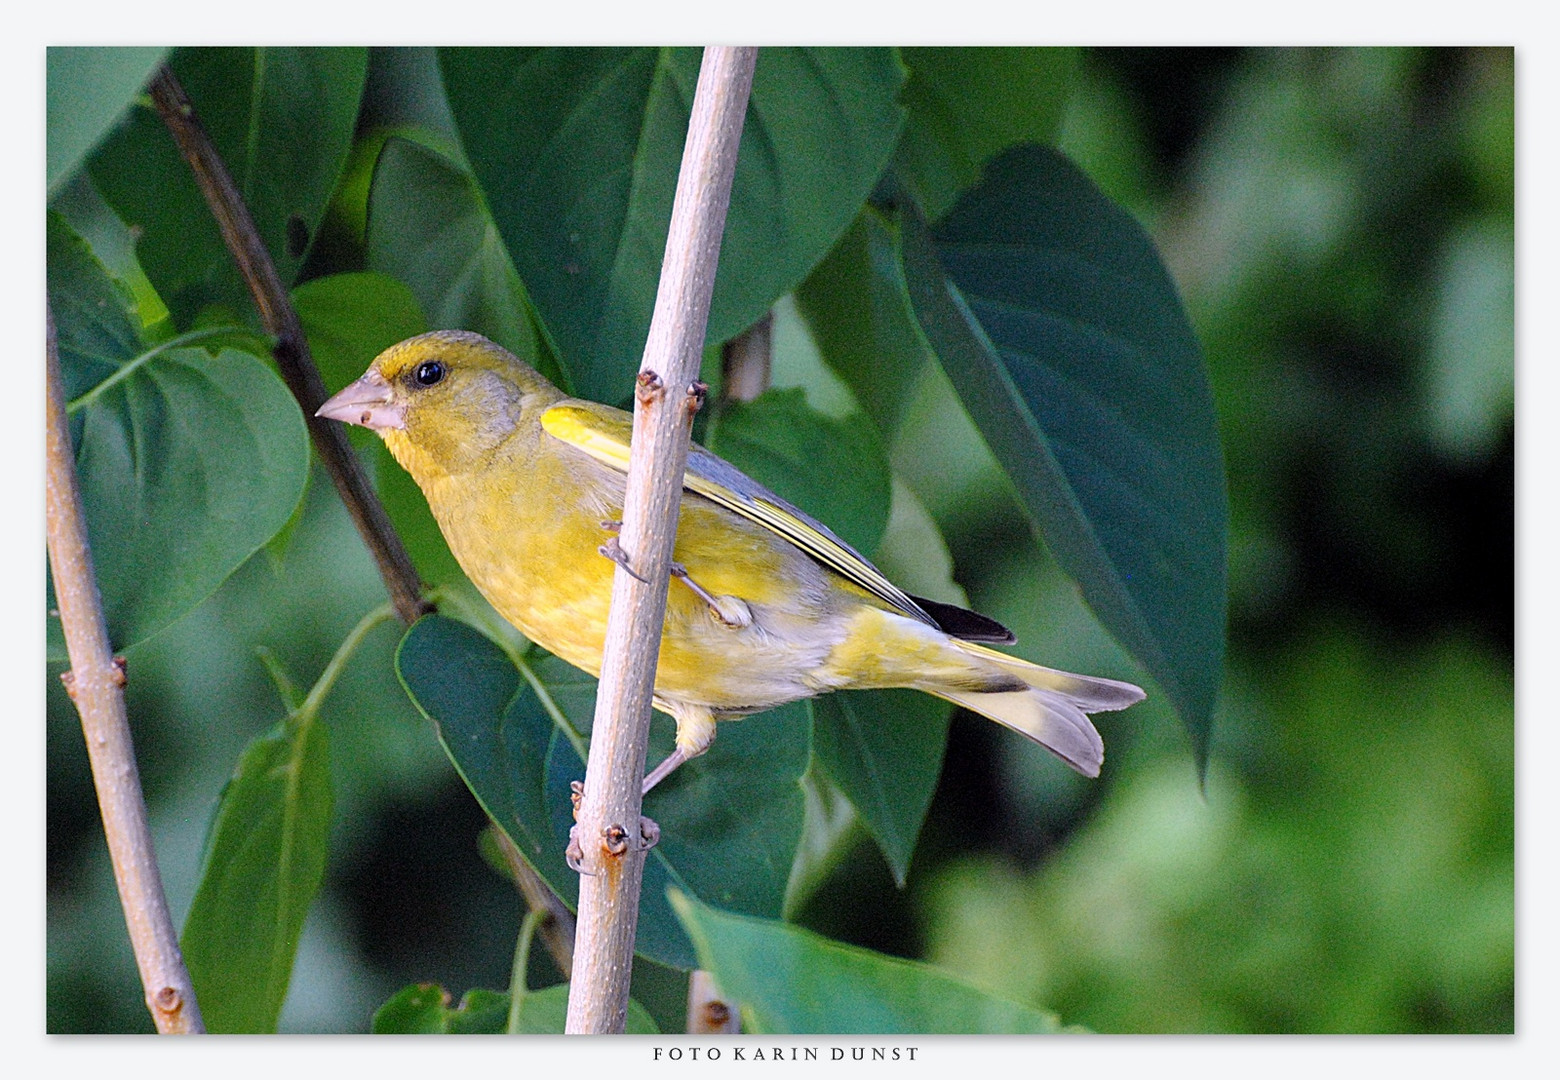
(88, 90)
(94, 313)
(264, 863)
(791, 981)
(1068, 345)
(282, 120)
(859, 313)
(577, 152)
(835, 470)
(966, 105)
(883, 749)
(425, 1010)
(729, 820)
(428, 226)
(187, 462)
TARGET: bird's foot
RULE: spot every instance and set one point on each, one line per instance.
(612, 550)
(729, 611)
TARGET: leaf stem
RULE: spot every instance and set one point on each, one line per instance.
(608, 825)
(96, 683)
(291, 351)
(517, 990)
(322, 685)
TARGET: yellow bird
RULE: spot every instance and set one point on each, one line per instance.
(768, 605)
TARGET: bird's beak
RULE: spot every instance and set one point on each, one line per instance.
(367, 402)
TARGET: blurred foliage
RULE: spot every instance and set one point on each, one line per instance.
(1340, 226)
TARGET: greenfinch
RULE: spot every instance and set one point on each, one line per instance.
(767, 606)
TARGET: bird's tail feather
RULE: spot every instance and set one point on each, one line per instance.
(1052, 707)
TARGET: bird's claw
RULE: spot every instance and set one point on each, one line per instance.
(614, 551)
(574, 854)
(649, 833)
(730, 611)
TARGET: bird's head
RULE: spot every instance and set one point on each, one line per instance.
(443, 401)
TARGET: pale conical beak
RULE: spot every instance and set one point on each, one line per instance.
(367, 402)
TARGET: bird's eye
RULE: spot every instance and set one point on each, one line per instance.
(429, 373)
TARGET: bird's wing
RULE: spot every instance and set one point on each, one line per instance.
(603, 433)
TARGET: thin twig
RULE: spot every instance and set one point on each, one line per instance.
(96, 684)
(557, 932)
(609, 821)
(291, 349)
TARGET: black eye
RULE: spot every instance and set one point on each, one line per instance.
(429, 373)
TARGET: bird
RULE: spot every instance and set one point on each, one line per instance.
(766, 606)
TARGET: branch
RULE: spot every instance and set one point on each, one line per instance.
(613, 853)
(296, 365)
(291, 350)
(96, 683)
(557, 929)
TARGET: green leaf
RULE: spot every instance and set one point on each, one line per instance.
(282, 121)
(883, 749)
(113, 244)
(835, 470)
(425, 1010)
(428, 226)
(1067, 343)
(730, 820)
(187, 462)
(792, 981)
(966, 105)
(264, 863)
(577, 152)
(89, 89)
(856, 305)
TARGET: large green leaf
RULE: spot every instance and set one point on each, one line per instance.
(428, 226)
(281, 118)
(1066, 340)
(425, 1010)
(966, 105)
(791, 981)
(859, 313)
(577, 152)
(883, 749)
(89, 88)
(187, 462)
(264, 863)
(729, 820)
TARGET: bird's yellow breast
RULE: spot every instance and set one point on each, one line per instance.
(528, 532)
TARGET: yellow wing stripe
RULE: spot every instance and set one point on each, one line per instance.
(588, 431)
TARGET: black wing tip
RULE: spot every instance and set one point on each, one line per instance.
(966, 625)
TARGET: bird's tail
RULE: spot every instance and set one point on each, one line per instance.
(1050, 707)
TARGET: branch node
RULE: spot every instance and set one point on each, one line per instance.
(697, 392)
(649, 388)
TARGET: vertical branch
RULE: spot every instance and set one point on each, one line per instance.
(293, 360)
(96, 684)
(612, 847)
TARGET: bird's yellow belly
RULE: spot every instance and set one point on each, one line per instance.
(548, 578)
